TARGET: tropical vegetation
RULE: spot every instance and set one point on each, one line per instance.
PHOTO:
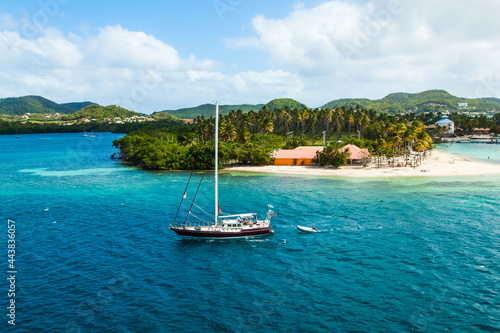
(99, 112)
(427, 101)
(36, 104)
(249, 138)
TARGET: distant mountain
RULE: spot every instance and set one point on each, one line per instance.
(492, 99)
(163, 115)
(281, 103)
(31, 104)
(206, 110)
(77, 106)
(36, 104)
(431, 100)
(99, 112)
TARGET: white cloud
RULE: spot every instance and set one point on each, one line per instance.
(128, 68)
(118, 47)
(395, 45)
(114, 66)
(359, 48)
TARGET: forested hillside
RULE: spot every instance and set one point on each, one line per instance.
(76, 106)
(206, 110)
(282, 103)
(99, 112)
(431, 100)
(31, 104)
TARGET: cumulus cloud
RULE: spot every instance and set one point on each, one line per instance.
(336, 49)
(128, 68)
(425, 44)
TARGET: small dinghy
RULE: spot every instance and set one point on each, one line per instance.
(307, 229)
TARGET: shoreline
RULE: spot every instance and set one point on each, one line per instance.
(437, 164)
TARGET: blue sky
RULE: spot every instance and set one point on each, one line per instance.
(157, 55)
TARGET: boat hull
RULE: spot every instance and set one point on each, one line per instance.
(207, 234)
(306, 229)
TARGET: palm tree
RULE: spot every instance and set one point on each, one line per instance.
(265, 126)
(231, 133)
(313, 119)
(288, 121)
(395, 141)
(350, 121)
(381, 144)
(328, 116)
(243, 135)
(365, 120)
(339, 117)
(305, 116)
(297, 118)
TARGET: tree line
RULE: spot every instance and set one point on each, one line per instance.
(249, 138)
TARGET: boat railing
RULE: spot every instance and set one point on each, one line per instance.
(238, 215)
(193, 224)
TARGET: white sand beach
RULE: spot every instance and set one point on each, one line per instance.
(437, 164)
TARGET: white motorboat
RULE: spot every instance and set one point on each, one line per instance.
(307, 229)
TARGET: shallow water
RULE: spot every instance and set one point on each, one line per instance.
(94, 253)
(477, 151)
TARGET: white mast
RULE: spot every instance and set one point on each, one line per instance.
(216, 160)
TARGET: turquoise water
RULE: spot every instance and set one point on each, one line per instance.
(476, 151)
(94, 253)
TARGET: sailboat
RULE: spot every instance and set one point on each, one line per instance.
(225, 226)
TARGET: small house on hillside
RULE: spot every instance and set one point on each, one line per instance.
(297, 156)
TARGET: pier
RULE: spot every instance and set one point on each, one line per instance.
(473, 139)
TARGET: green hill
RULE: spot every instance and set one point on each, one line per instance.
(164, 115)
(99, 112)
(206, 110)
(14, 106)
(77, 106)
(281, 103)
(492, 99)
(31, 104)
(431, 100)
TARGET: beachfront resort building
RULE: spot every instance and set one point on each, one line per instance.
(298, 156)
(357, 155)
(305, 154)
(449, 124)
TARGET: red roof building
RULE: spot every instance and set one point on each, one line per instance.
(297, 156)
(356, 154)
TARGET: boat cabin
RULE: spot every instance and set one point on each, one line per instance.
(239, 220)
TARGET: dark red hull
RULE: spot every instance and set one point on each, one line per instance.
(220, 234)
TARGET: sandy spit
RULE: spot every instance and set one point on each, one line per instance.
(437, 164)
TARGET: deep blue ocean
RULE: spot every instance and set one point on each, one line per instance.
(94, 253)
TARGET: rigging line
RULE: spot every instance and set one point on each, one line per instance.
(201, 179)
(199, 218)
(187, 185)
(190, 176)
(202, 210)
(194, 198)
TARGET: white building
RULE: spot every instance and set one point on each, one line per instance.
(445, 122)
